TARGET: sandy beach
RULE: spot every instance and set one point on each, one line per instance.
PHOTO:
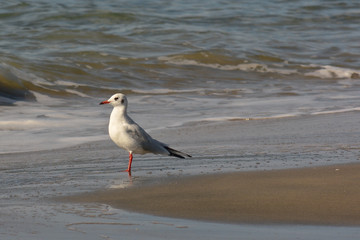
(260, 179)
(304, 193)
(320, 195)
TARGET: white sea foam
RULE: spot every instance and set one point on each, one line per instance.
(19, 125)
(48, 124)
(226, 119)
(247, 67)
(325, 71)
(200, 91)
(352, 109)
(164, 91)
(328, 71)
(80, 94)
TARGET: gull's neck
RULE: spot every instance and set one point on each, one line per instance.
(119, 114)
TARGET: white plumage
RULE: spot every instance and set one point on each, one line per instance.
(127, 134)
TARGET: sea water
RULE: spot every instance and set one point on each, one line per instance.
(178, 62)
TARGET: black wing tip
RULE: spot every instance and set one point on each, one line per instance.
(176, 153)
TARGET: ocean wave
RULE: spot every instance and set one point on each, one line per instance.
(220, 62)
(233, 65)
(71, 77)
(12, 88)
(197, 91)
(20, 84)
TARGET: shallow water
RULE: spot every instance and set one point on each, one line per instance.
(95, 221)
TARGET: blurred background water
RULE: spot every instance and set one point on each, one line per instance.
(178, 62)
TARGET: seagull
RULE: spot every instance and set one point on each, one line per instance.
(127, 134)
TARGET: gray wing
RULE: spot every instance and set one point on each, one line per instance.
(145, 141)
(148, 144)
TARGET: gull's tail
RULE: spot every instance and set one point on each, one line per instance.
(176, 153)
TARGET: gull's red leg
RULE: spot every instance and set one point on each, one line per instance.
(130, 162)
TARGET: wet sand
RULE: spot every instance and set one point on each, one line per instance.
(321, 195)
(233, 177)
(303, 193)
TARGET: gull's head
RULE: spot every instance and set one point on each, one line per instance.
(116, 100)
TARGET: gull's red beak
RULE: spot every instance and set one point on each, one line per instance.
(104, 102)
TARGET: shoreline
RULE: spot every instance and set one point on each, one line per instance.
(325, 195)
(271, 178)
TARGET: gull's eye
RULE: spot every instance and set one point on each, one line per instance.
(116, 98)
